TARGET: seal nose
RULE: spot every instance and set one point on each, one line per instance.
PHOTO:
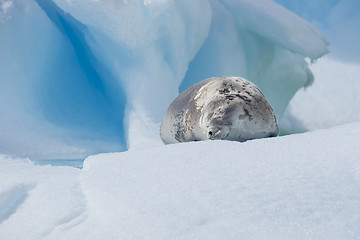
(218, 133)
(213, 133)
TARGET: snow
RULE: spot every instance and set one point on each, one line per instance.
(34, 200)
(301, 186)
(98, 76)
(331, 101)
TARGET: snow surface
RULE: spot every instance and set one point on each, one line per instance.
(301, 186)
(332, 100)
(86, 76)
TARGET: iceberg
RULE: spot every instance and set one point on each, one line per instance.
(82, 77)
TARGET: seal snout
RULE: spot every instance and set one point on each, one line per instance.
(218, 133)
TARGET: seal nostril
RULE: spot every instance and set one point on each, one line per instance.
(210, 133)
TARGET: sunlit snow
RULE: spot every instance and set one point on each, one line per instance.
(304, 186)
(332, 100)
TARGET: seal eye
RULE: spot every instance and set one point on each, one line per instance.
(210, 133)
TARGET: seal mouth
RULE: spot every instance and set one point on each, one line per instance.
(224, 137)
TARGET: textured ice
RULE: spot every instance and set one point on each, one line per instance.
(51, 101)
(338, 20)
(81, 77)
(302, 186)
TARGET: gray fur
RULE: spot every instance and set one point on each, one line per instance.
(229, 108)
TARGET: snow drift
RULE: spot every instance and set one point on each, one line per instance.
(304, 186)
(80, 77)
(332, 100)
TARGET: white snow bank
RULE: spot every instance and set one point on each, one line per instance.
(332, 100)
(304, 186)
(35, 200)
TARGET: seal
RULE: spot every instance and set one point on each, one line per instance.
(228, 108)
